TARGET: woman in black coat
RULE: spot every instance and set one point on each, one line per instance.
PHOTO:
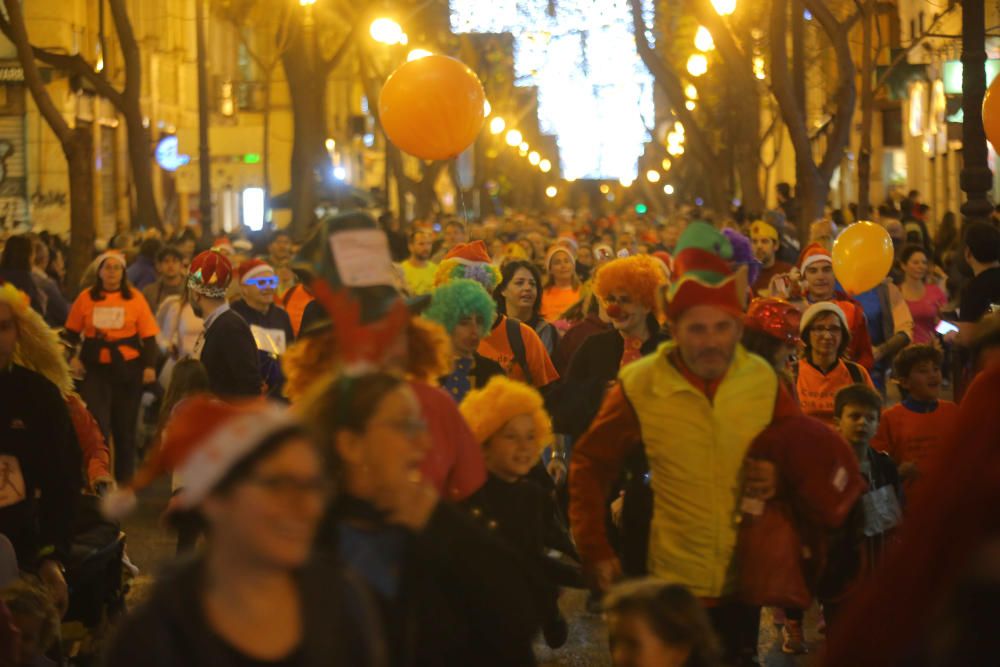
(254, 596)
(449, 592)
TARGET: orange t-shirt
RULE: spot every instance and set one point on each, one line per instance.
(557, 300)
(112, 318)
(496, 346)
(916, 437)
(294, 302)
(816, 391)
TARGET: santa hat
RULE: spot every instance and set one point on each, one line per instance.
(253, 268)
(775, 317)
(111, 255)
(487, 410)
(817, 309)
(813, 253)
(209, 274)
(702, 273)
(202, 441)
(471, 261)
(555, 250)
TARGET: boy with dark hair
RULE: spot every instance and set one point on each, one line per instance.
(856, 548)
(170, 269)
(913, 431)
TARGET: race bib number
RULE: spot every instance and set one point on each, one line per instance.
(12, 489)
(362, 257)
(108, 318)
(882, 511)
(271, 341)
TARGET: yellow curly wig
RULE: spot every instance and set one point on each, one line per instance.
(638, 276)
(313, 358)
(38, 347)
(488, 409)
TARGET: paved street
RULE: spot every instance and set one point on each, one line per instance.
(150, 547)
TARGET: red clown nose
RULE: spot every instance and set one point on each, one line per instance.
(614, 311)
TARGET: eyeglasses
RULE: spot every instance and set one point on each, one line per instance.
(263, 282)
(411, 428)
(287, 486)
(830, 331)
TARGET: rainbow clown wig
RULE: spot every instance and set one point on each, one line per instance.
(488, 410)
(458, 299)
(470, 261)
(638, 276)
(38, 347)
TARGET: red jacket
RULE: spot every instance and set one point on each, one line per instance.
(96, 458)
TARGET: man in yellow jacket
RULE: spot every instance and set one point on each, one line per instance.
(694, 405)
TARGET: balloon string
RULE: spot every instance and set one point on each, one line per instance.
(461, 191)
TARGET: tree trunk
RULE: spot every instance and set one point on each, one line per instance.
(146, 213)
(867, 113)
(79, 152)
(204, 156)
(308, 94)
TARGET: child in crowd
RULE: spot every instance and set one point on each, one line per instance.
(915, 430)
(653, 624)
(508, 419)
(188, 378)
(856, 548)
(36, 619)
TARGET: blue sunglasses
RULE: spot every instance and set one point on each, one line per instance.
(263, 282)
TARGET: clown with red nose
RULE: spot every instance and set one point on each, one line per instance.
(627, 288)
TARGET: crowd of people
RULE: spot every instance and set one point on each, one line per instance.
(396, 447)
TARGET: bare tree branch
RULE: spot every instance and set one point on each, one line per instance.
(18, 34)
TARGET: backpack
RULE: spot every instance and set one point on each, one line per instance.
(857, 377)
(516, 341)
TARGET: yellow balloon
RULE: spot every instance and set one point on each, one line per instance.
(862, 256)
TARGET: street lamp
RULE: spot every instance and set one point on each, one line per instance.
(497, 125)
(545, 166)
(513, 138)
(703, 40)
(697, 64)
(382, 30)
(724, 7)
(551, 191)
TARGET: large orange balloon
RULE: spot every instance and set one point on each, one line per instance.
(862, 256)
(991, 113)
(432, 107)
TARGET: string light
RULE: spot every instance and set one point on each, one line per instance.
(653, 176)
(497, 125)
(703, 40)
(513, 138)
(551, 191)
(697, 64)
(545, 166)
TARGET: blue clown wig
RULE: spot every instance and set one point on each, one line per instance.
(461, 298)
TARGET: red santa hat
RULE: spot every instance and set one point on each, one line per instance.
(253, 268)
(209, 274)
(202, 441)
(224, 245)
(813, 253)
(775, 317)
(469, 253)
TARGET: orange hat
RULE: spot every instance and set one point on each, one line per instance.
(471, 261)
(203, 440)
(813, 253)
(470, 253)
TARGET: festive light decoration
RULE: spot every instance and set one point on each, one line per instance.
(545, 166)
(417, 54)
(668, 189)
(691, 91)
(666, 164)
(758, 68)
(497, 125)
(697, 64)
(703, 40)
(590, 79)
(534, 158)
(513, 138)
(382, 30)
(653, 176)
(724, 7)
(551, 191)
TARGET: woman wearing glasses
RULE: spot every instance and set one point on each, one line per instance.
(823, 369)
(253, 595)
(271, 325)
(450, 592)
